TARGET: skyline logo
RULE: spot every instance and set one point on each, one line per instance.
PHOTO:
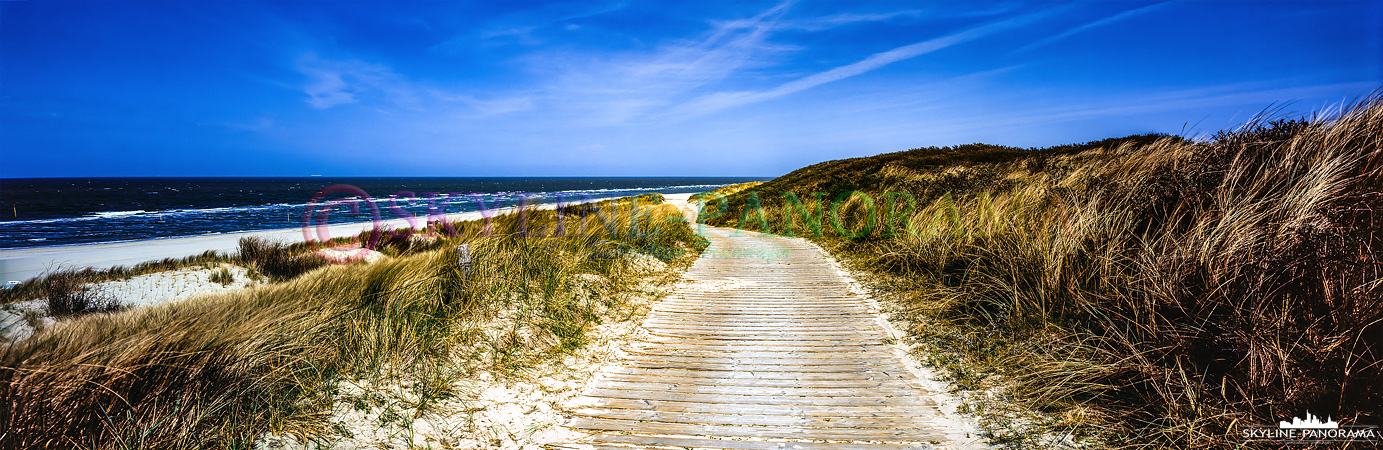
(1310, 423)
(1311, 430)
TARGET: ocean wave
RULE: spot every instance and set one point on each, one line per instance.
(93, 216)
(116, 214)
(139, 213)
(492, 199)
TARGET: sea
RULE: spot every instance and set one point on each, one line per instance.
(44, 212)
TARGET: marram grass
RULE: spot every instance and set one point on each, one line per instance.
(217, 371)
(1144, 292)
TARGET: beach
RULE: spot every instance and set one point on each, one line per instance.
(174, 285)
(25, 263)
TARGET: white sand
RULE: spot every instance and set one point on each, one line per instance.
(23, 264)
(21, 319)
(517, 414)
(172, 285)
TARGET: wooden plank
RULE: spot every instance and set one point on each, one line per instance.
(818, 345)
(761, 338)
(766, 382)
(870, 434)
(840, 421)
(689, 331)
(740, 408)
(688, 442)
(762, 321)
(816, 400)
(784, 358)
(741, 306)
(673, 324)
(670, 324)
(729, 360)
(767, 311)
(732, 326)
(760, 365)
(774, 319)
(741, 374)
(810, 390)
(701, 343)
(797, 301)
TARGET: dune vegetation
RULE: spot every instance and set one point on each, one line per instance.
(724, 191)
(217, 371)
(1140, 292)
(65, 278)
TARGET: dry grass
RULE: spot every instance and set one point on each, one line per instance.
(36, 287)
(222, 276)
(1148, 292)
(276, 260)
(724, 191)
(67, 295)
(218, 371)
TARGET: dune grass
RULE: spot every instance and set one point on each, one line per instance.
(1143, 292)
(217, 371)
(68, 295)
(38, 287)
(724, 191)
(222, 276)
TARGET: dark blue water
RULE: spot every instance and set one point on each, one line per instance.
(40, 212)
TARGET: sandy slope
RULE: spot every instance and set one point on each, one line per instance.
(19, 320)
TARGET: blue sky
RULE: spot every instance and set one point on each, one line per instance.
(662, 88)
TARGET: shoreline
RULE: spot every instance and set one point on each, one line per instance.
(23, 264)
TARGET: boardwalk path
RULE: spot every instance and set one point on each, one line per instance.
(764, 348)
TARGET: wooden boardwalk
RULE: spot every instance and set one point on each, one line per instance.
(764, 347)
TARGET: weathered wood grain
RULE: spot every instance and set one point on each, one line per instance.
(760, 353)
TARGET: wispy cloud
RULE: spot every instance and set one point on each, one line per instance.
(679, 79)
(326, 88)
(676, 78)
(811, 23)
(258, 125)
(722, 100)
(832, 21)
(338, 82)
(844, 19)
(525, 27)
(616, 88)
(483, 107)
(1098, 23)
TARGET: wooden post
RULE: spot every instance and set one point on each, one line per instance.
(463, 259)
